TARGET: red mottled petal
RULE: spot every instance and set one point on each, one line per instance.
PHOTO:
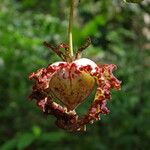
(43, 92)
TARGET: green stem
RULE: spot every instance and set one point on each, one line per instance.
(70, 50)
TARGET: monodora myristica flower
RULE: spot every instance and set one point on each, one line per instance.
(71, 81)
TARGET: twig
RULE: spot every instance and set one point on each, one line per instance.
(82, 48)
(56, 49)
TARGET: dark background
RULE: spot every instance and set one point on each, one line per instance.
(120, 35)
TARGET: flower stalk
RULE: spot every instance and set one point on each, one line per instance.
(70, 27)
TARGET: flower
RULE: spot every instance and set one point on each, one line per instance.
(71, 83)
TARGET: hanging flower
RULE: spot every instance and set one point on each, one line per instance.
(70, 82)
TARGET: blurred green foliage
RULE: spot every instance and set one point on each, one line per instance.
(119, 34)
(133, 1)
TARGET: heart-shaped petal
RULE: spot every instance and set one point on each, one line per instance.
(71, 86)
(71, 91)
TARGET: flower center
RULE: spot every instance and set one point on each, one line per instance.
(71, 86)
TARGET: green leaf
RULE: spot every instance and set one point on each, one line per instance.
(53, 136)
(91, 28)
(36, 131)
(25, 140)
(9, 145)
